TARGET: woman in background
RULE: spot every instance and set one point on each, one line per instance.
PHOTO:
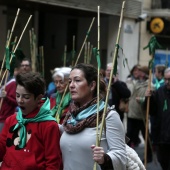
(60, 108)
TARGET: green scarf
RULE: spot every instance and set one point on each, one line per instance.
(43, 115)
(158, 83)
(165, 105)
(56, 110)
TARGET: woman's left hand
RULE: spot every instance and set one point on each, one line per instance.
(98, 154)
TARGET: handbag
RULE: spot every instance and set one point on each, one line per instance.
(133, 160)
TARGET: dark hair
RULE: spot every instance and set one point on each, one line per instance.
(32, 82)
(26, 59)
(160, 68)
(134, 67)
(90, 74)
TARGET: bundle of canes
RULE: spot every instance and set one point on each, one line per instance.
(9, 37)
(152, 45)
(6, 73)
(88, 32)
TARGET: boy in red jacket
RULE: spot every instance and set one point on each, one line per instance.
(30, 138)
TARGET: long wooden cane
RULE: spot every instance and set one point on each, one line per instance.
(98, 82)
(152, 45)
(147, 119)
(111, 74)
(77, 61)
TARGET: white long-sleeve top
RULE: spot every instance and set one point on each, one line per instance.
(76, 148)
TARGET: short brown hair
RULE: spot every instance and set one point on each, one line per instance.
(33, 82)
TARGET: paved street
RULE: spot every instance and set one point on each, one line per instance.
(140, 151)
(150, 166)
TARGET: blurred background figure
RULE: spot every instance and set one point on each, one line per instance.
(51, 86)
(25, 65)
(60, 107)
(119, 92)
(136, 114)
(134, 73)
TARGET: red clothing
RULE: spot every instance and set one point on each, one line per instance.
(42, 150)
(9, 103)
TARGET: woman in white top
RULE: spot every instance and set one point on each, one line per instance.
(79, 137)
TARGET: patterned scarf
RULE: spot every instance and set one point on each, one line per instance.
(43, 115)
(79, 125)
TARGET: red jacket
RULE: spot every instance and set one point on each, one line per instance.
(42, 150)
(9, 103)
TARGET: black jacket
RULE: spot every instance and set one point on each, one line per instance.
(160, 110)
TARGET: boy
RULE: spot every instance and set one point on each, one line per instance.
(30, 138)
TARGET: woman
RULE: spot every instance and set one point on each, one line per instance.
(60, 107)
(79, 136)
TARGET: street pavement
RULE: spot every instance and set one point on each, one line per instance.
(154, 165)
(140, 151)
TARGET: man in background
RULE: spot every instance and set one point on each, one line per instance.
(25, 65)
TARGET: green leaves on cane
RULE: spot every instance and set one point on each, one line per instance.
(7, 59)
(165, 105)
(152, 45)
(97, 54)
(151, 64)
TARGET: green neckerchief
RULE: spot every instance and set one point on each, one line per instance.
(86, 113)
(56, 110)
(165, 105)
(158, 83)
(44, 114)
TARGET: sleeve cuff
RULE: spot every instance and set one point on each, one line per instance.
(107, 162)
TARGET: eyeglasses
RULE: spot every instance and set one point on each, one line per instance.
(167, 79)
(25, 65)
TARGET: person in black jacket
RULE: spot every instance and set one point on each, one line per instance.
(119, 92)
(160, 109)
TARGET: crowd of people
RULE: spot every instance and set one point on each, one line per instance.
(58, 128)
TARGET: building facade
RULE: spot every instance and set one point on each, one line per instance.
(157, 23)
(55, 22)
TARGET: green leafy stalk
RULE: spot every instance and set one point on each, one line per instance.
(7, 59)
(97, 54)
(152, 45)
